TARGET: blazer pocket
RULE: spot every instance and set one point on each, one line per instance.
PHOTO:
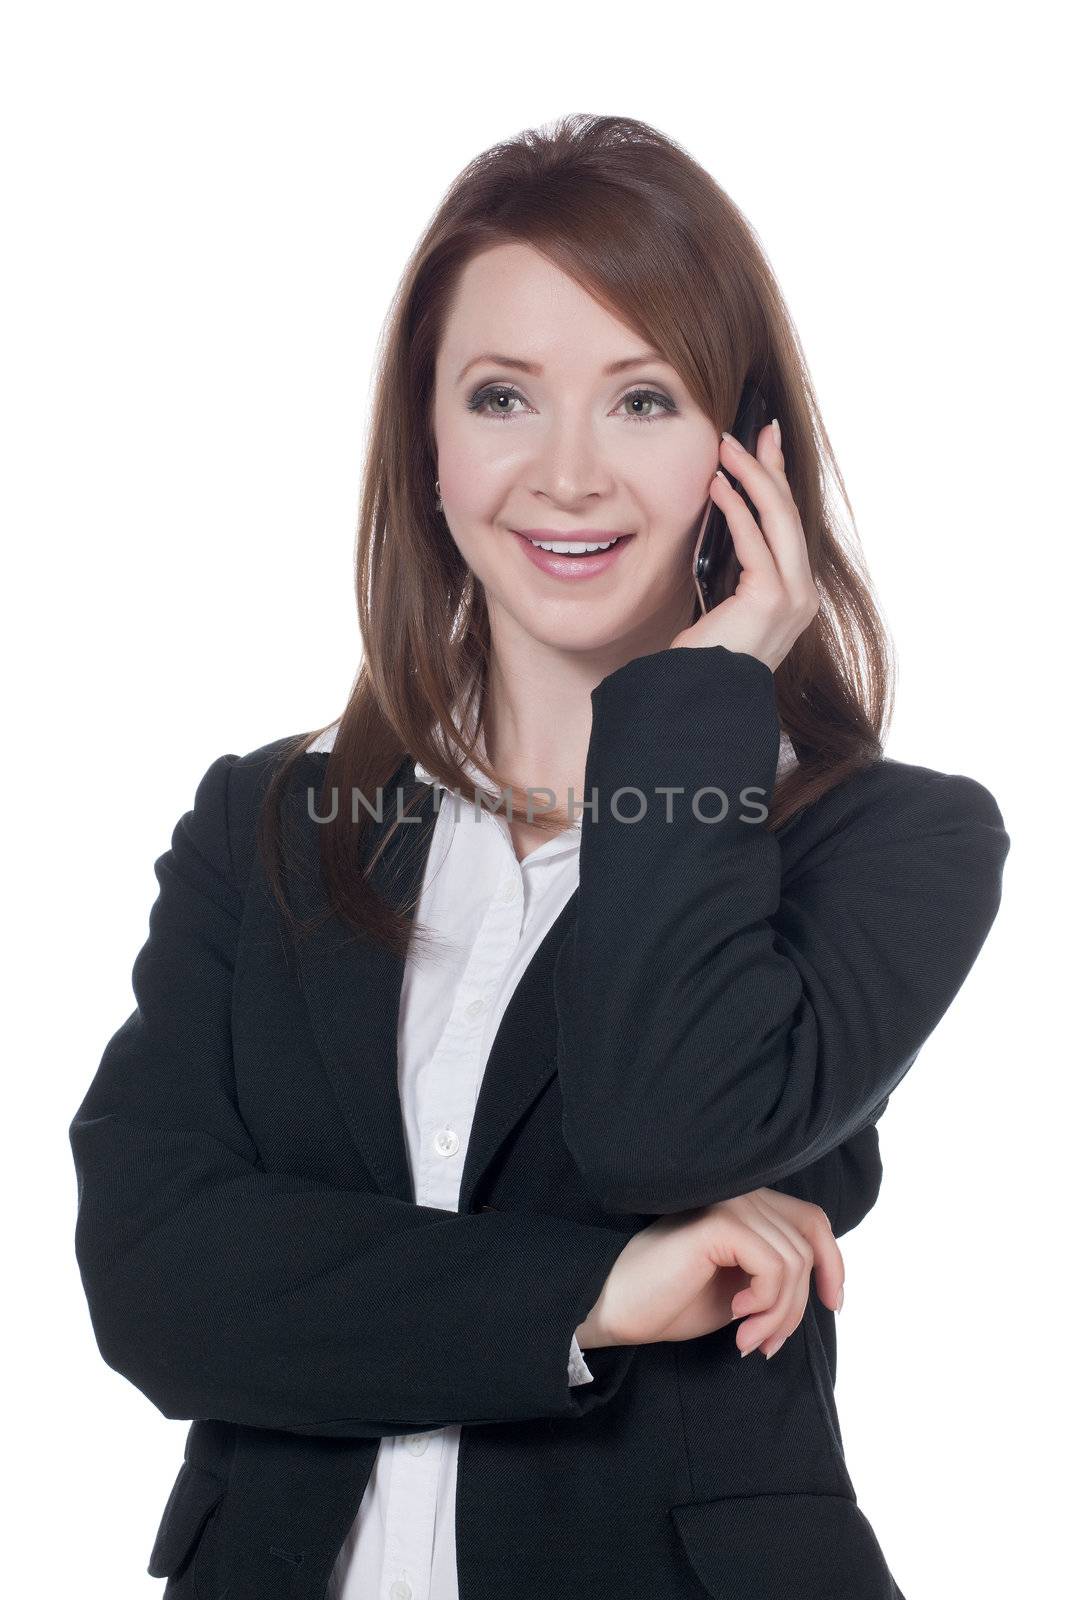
(784, 1547)
(194, 1496)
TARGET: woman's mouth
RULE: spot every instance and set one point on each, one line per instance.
(573, 558)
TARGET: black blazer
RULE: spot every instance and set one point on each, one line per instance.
(718, 1007)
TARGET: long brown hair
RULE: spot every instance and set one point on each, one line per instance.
(645, 230)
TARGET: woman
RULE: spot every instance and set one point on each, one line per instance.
(454, 1160)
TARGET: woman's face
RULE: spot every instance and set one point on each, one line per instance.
(567, 446)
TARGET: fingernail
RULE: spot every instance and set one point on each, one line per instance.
(776, 1347)
(730, 437)
(776, 430)
(841, 1298)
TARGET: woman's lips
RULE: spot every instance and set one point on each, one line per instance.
(573, 568)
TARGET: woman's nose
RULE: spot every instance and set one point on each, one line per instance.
(571, 464)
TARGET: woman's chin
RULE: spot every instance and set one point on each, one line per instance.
(584, 630)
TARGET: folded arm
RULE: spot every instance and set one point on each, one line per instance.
(260, 1297)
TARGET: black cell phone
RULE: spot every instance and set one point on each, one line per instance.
(716, 569)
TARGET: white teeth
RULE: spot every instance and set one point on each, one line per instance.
(571, 547)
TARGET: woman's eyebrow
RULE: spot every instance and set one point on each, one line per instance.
(644, 359)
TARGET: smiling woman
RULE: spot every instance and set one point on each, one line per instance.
(603, 444)
(566, 349)
(658, 1035)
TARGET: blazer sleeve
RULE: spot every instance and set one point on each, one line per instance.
(845, 1182)
(223, 1290)
(721, 1028)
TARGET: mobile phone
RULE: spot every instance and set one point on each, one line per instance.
(716, 569)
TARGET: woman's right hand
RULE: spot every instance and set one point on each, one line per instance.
(692, 1272)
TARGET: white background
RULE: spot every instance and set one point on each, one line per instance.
(206, 209)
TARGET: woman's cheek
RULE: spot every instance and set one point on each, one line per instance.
(476, 486)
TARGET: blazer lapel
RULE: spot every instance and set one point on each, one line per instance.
(522, 1058)
(352, 989)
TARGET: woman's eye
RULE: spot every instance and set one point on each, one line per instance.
(480, 401)
(647, 396)
(484, 403)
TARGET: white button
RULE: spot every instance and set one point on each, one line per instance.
(475, 1008)
(417, 1443)
(400, 1590)
(446, 1142)
(509, 893)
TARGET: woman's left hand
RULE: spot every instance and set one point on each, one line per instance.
(776, 598)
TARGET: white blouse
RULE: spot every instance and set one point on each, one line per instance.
(488, 913)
